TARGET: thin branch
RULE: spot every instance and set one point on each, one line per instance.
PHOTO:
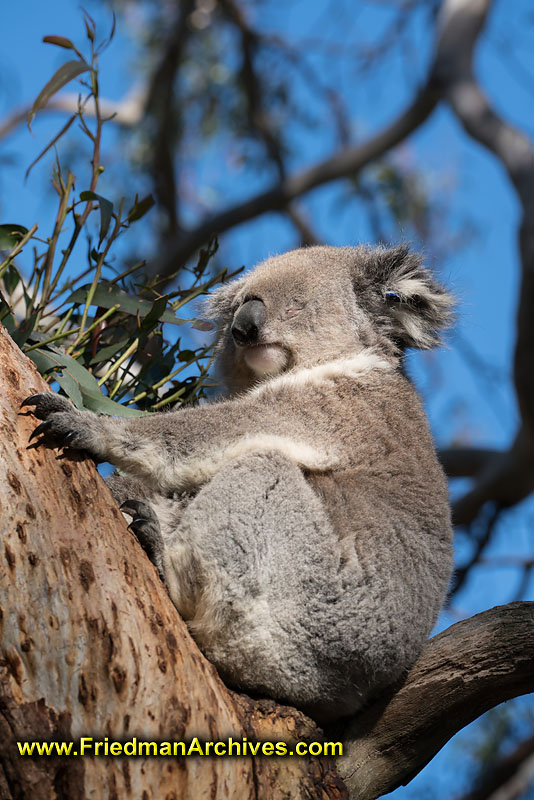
(483, 539)
(463, 672)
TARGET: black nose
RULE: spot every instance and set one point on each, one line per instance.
(248, 321)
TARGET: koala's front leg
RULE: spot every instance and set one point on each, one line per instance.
(119, 441)
(66, 426)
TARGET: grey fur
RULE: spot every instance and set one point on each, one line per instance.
(305, 518)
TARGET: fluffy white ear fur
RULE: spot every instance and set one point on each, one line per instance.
(419, 306)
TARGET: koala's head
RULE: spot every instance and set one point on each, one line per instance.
(312, 305)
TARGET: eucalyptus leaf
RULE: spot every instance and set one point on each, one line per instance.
(59, 41)
(50, 144)
(10, 235)
(24, 330)
(78, 383)
(107, 295)
(66, 73)
(140, 208)
(202, 325)
(106, 212)
(108, 352)
(94, 400)
(155, 313)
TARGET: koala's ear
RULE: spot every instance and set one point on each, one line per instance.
(218, 304)
(417, 305)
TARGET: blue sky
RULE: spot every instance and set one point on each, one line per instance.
(476, 406)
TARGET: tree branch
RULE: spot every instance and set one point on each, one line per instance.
(348, 161)
(91, 645)
(508, 477)
(462, 673)
(466, 462)
(457, 22)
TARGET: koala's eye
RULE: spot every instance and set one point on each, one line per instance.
(293, 308)
(392, 298)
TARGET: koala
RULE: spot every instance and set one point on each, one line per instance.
(301, 521)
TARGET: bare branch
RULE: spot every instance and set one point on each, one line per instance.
(301, 223)
(463, 672)
(252, 84)
(457, 22)
(346, 162)
(516, 154)
(483, 539)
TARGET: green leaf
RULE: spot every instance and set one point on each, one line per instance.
(78, 383)
(105, 353)
(140, 208)
(24, 330)
(106, 212)
(60, 41)
(89, 26)
(66, 73)
(107, 295)
(69, 385)
(11, 279)
(6, 317)
(10, 235)
(202, 325)
(155, 314)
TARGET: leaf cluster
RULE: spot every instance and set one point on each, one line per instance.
(112, 340)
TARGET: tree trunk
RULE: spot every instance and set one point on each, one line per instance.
(91, 646)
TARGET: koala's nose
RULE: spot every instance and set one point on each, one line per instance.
(248, 321)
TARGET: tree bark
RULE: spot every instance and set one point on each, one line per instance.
(91, 646)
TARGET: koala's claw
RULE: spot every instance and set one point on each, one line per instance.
(46, 403)
(42, 428)
(145, 526)
(63, 425)
(31, 400)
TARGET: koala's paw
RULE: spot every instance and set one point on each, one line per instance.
(63, 426)
(145, 525)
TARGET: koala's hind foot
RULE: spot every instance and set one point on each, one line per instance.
(146, 527)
